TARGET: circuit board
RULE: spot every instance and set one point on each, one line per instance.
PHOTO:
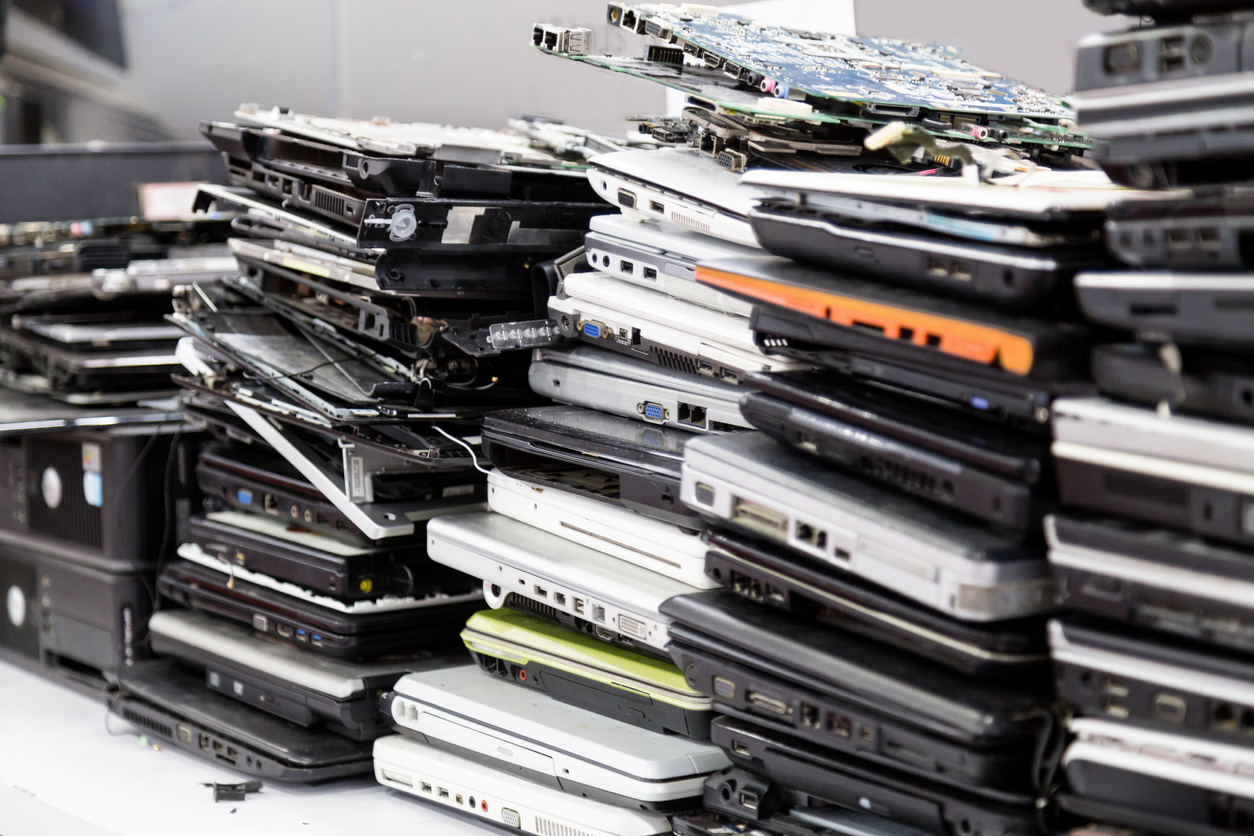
(735, 61)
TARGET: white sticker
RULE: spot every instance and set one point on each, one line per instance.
(357, 477)
(93, 489)
(92, 460)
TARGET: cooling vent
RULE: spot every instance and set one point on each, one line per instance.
(674, 361)
(147, 723)
(913, 480)
(522, 604)
(691, 223)
(548, 827)
(327, 202)
(73, 519)
(1148, 489)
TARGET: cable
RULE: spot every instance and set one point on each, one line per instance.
(473, 458)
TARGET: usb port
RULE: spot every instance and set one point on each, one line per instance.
(740, 749)
(655, 206)
(540, 591)
(749, 800)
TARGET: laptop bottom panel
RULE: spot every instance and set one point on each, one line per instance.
(1130, 815)
(619, 702)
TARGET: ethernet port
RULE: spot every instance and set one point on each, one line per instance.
(270, 504)
(692, 416)
(809, 716)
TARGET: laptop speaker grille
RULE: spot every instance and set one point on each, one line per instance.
(1146, 489)
(152, 725)
(548, 827)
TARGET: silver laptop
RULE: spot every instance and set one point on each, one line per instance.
(957, 567)
(528, 733)
(663, 257)
(680, 185)
(661, 547)
(604, 380)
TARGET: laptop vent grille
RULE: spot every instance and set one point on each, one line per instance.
(152, 725)
(909, 478)
(1146, 489)
(691, 223)
(518, 602)
(675, 361)
(548, 827)
(327, 202)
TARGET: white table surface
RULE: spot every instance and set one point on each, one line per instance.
(62, 773)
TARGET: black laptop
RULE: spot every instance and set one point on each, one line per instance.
(162, 698)
(358, 632)
(594, 454)
(980, 390)
(1158, 578)
(780, 578)
(912, 468)
(289, 682)
(794, 764)
(1206, 383)
(855, 696)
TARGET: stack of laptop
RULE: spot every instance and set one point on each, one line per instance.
(82, 304)
(383, 306)
(1153, 547)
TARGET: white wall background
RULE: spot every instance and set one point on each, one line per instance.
(470, 62)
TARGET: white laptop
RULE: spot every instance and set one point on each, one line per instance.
(633, 320)
(610, 598)
(680, 185)
(527, 732)
(598, 379)
(667, 549)
(924, 553)
(662, 256)
(498, 797)
(1142, 431)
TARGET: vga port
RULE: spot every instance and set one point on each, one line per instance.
(596, 330)
(653, 412)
